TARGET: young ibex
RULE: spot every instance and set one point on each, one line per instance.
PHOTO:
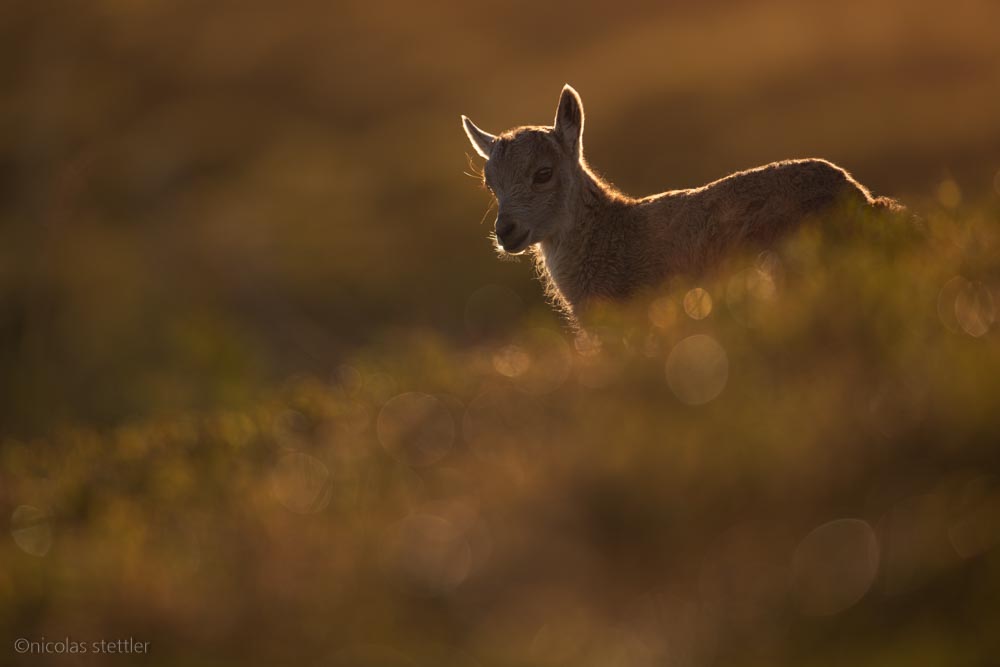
(591, 242)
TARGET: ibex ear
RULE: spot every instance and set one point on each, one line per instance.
(481, 140)
(569, 120)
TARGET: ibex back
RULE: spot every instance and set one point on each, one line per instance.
(591, 242)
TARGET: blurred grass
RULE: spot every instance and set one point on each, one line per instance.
(269, 398)
(831, 497)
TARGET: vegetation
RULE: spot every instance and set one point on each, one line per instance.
(236, 424)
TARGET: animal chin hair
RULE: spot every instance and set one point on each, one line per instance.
(507, 257)
(552, 293)
(501, 253)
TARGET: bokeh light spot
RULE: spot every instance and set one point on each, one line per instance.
(588, 343)
(596, 366)
(769, 263)
(31, 530)
(549, 362)
(301, 483)
(511, 361)
(946, 303)
(697, 369)
(966, 306)
(834, 566)
(974, 309)
(949, 194)
(349, 379)
(749, 290)
(897, 406)
(663, 312)
(416, 429)
(698, 303)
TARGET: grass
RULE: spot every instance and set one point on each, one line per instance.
(814, 485)
(268, 397)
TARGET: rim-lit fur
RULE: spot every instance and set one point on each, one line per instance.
(591, 242)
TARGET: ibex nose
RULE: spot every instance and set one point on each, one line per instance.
(505, 228)
(510, 237)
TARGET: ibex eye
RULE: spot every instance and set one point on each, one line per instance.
(542, 175)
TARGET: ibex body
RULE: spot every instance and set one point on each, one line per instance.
(592, 242)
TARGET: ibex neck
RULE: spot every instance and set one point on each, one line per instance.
(590, 202)
(578, 258)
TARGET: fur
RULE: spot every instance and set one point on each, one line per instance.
(592, 242)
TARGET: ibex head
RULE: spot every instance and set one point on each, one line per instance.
(534, 172)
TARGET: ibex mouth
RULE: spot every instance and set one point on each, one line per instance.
(514, 246)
